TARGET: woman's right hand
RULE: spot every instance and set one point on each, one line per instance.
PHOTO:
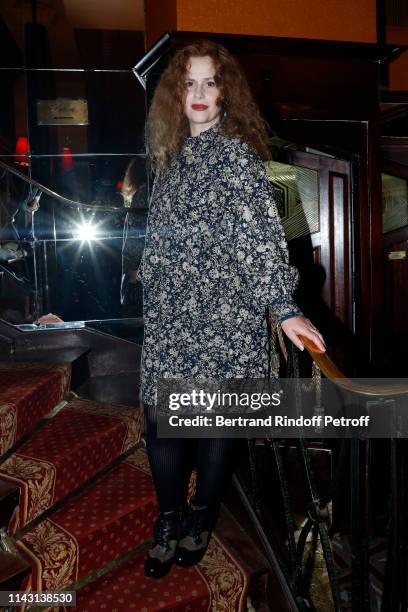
(300, 326)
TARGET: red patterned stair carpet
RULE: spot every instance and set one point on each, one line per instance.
(217, 583)
(28, 391)
(108, 520)
(75, 444)
(103, 522)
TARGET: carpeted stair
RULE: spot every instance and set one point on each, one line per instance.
(96, 541)
(217, 583)
(72, 446)
(105, 521)
(109, 520)
(28, 392)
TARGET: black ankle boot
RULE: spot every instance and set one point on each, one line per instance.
(166, 534)
(196, 529)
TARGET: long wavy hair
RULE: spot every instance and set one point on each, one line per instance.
(167, 125)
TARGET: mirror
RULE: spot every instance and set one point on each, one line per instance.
(72, 120)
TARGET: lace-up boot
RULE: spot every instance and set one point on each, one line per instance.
(197, 525)
(166, 533)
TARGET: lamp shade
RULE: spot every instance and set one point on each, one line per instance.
(22, 151)
(67, 162)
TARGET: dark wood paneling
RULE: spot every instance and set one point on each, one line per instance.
(291, 87)
(303, 47)
(324, 258)
(359, 142)
(338, 136)
(339, 206)
(333, 247)
(301, 78)
(396, 300)
(395, 156)
(371, 316)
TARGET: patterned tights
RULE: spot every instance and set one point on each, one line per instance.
(172, 460)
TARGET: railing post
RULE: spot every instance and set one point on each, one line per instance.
(359, 481)
(395, 596)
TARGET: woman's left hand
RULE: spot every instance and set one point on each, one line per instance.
(300, 326)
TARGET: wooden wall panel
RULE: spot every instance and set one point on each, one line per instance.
(332, 244)
(396, 299)
(325, 258)
(340, 245)
(321, 19)
(159, 19)
(316, 19)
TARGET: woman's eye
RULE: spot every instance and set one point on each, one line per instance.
(189, 83)
(211, 83)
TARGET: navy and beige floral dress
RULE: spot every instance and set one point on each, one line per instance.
(215, 259)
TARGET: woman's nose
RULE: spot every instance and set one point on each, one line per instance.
(199, 92)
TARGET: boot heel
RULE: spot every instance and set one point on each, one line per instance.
(196, 531)
(166, 534)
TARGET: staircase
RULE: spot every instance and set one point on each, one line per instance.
(86, 503)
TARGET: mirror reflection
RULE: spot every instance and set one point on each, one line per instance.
(71, 126)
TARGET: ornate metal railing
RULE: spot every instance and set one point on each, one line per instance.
(365, 553)
(392, 594)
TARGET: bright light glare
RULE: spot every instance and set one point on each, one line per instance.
(85, 232)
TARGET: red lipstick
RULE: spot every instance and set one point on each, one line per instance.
(199, 107)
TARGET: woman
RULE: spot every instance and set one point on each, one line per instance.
(215, 259)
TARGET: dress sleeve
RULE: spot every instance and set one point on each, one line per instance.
(260, 247)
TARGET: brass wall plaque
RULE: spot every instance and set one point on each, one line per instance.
(397, 255)
(62, 111)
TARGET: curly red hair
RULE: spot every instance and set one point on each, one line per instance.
(167, 125)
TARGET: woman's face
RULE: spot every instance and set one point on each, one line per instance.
(200, 104)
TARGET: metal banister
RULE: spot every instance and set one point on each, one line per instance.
(57, 196)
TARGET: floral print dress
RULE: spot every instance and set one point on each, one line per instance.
(215, 259)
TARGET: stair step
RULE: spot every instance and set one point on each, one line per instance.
(216, 583)
(78, 442)
(107, 520)
(28, 391)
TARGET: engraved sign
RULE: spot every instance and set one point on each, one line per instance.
(62, 111)
(397, 255)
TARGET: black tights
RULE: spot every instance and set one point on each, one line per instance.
(172, 460)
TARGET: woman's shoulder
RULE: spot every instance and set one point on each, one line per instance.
(237, 145)
(239, 155)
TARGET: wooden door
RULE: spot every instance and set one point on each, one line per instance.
(318, 222)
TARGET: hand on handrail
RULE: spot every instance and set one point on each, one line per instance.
(299, 329)
(311, 346)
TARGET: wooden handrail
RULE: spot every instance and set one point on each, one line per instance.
(332, 372)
